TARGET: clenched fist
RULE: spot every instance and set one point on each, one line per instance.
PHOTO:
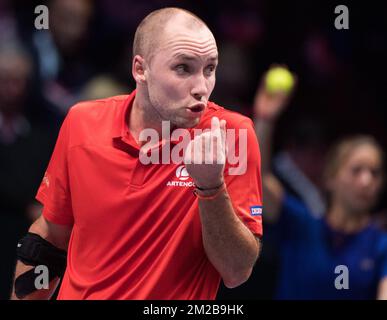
(205, 156)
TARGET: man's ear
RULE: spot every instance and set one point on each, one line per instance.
(138, 69)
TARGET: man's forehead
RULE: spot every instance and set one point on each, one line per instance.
(184, 44)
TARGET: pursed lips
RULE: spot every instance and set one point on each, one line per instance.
(197, 107)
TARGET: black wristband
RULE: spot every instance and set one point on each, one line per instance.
(209, 189)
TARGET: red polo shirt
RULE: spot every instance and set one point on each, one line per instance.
(136, 228)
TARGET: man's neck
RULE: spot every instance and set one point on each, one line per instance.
(142, 116)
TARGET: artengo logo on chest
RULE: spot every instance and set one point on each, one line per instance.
(182, 178)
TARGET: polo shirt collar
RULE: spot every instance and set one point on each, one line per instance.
(121, 133)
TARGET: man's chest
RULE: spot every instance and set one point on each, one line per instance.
(106, 181)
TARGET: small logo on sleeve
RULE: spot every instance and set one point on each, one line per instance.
(256, 210)
(46, 180)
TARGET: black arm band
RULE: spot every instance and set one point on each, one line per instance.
(33, 250)
(25, 284)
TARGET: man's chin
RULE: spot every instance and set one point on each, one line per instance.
(187, 124)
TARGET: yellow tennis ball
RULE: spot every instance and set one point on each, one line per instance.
(279, 79)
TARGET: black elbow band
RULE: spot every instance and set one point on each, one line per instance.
(33, 250)
(25, 284)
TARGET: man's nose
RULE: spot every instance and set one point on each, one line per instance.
(199, 89)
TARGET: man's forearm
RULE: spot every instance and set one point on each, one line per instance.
(230, 245)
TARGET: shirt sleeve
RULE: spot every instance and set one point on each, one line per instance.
(54, 190)
(243, 176)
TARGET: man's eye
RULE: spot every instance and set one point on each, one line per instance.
(182, 68)
(210, 69)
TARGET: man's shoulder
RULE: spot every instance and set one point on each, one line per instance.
(99, 106)
(92, 120)
(234, 119)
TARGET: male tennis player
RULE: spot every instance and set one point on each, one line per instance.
(113, 227)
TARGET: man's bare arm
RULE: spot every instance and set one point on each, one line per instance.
(229, 244)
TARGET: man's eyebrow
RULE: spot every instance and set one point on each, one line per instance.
(184, 56)
(213, 58)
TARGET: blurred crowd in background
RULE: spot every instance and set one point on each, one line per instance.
(86, 54)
